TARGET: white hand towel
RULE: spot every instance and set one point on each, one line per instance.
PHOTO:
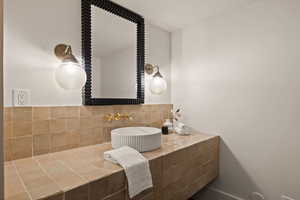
(136, 168)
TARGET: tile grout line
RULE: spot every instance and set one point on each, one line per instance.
(21, 180)
(72, 170)
(87, 181)
(115, 193)
(48, 175)
(32, 140)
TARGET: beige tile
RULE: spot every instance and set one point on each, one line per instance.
(42, 187)
(147, 117)
(58, 112)
(20, 196)
(174, 158)
(166, 115)
(116, 182)
(88, 162)
(150, 155)
(87, 137)
(143, 117)
(41, 113)
(7, 150)
(83, 162)
(175, 191)
(211, 170)
(191, 171)
(38, 184)
(168, 175)
(63, 176)
(86, 111)
(86, 170)
(155, 116)
(55, 197)
(73, 124)
(8, 164)
(8, 129)
(22, 109)
(21, 147)
(8, 114)
(196, 186)
(98, 121)
(80, 193)
(174, 163)
(106, 165)
(124, 108)
(101, 110)
(194, 173)
(107, 134)
(59, 142)
(64, 141)
(157, 124)
(151, 196)
(147, 194)
(98, 135)
(87, 123)
(156, 171)
(28, 168)
(58, 126)
(41, 144)
(13, 187)
(121, 195)
(106, 186)
(21, 128)
(41, 127)
(22, 113)
(72, 112)
(73, 139)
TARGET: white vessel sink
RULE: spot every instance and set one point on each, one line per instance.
(140, 138)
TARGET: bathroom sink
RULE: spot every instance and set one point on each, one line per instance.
(140, 138)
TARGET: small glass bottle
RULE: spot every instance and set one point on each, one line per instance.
(169, 124)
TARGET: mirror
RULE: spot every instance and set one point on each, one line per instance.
(113, 56)
(115, 60)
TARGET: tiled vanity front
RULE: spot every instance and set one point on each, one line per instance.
(180, 168)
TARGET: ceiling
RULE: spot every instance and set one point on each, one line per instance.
(175, 14)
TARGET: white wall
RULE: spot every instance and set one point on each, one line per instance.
(158, 51)
(237, 75)
(33, 28)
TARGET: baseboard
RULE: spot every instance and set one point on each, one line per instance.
(211, 193)
(225, 194)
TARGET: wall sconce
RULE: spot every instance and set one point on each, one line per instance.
(69, 75)
(157, 84)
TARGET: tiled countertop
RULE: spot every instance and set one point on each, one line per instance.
(52, 176)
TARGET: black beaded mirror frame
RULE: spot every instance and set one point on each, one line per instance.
(120, 11)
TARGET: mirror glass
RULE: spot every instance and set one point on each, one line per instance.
(114, 55)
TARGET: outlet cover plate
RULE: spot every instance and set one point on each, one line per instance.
(21, 97)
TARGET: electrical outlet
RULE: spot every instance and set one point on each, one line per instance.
(21, 97)
(283, 197)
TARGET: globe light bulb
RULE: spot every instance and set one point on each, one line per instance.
(158, 85)
(70, 76)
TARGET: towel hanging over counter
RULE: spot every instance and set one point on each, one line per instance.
(136, 168)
